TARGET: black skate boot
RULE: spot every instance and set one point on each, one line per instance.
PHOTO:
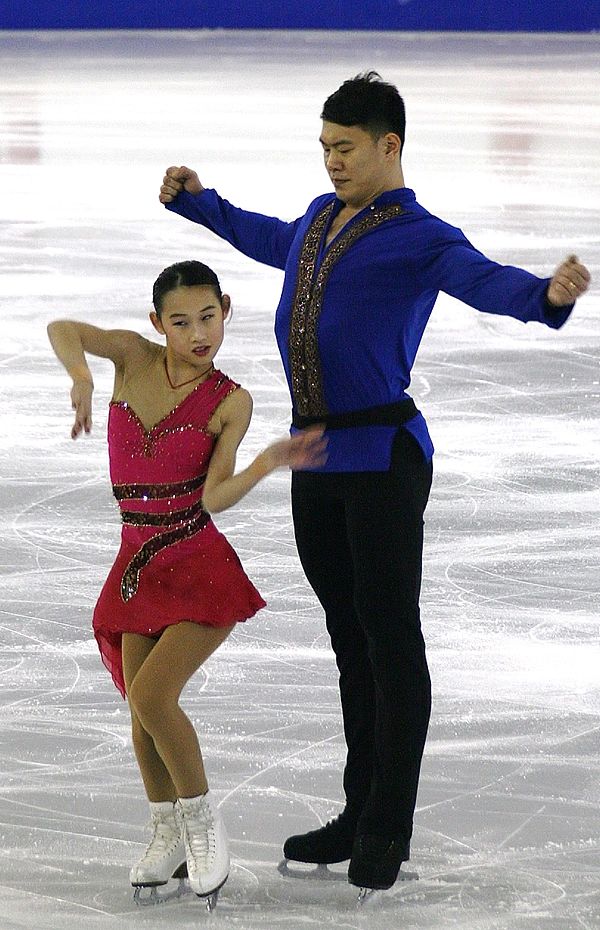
(376, 861)
(330, 843)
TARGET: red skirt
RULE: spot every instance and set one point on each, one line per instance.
(199, 580)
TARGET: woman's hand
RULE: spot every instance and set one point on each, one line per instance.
(81, 402)
(307, 449)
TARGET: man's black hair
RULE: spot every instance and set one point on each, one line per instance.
(369, 102)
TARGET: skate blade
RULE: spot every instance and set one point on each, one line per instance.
(369, 895)
(211, 898)
(364, 895)
(318, 871)
(152, 895)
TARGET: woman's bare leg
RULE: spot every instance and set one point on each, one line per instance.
(159, 786)
(165, 741)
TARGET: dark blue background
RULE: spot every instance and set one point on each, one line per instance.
(475, 15)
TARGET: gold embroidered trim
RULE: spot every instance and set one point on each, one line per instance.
(170, 518)
(303, 317)
(131, 575)
(153, 492)
(305, 362)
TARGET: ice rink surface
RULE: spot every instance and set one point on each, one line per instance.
(503, 140)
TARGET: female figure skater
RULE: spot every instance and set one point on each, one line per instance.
(177, 588)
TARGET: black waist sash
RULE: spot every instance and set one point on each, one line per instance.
(384, 415)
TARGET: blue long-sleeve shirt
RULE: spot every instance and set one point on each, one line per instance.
(352, 314)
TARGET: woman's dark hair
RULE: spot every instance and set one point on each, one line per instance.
(183, 274)
(367, 101)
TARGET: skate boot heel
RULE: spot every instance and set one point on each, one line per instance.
(153, 896)
(375, 864)
(163, 859)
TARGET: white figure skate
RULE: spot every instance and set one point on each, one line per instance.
(164, 857)
(205, 846)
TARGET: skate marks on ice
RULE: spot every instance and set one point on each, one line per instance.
(518, 894)
(503, 894)
(483, 898)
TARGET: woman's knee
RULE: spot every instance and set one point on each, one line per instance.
(149, 707)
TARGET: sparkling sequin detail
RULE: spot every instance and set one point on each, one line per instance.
(131, 575)
(151, 436)
(306, 380)
(154, 492)
(170, 518)
(305, 362)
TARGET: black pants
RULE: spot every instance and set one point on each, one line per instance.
(360, 541)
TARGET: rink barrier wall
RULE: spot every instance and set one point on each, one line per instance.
(406, 15)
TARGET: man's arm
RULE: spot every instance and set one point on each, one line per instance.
(463, 272)
(263, 238)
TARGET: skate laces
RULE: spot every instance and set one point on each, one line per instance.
(200, 832)
(166, 833)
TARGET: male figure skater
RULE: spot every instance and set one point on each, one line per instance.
(363, 268)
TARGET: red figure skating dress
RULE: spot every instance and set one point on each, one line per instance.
(173, 563)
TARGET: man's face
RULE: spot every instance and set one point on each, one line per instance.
(358, 164)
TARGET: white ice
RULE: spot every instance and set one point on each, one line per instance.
(504, 141)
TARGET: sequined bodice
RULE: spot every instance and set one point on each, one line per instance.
(176, 450)
(158, 474)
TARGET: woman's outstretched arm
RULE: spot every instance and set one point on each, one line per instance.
(72, 341)
(223, 488)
